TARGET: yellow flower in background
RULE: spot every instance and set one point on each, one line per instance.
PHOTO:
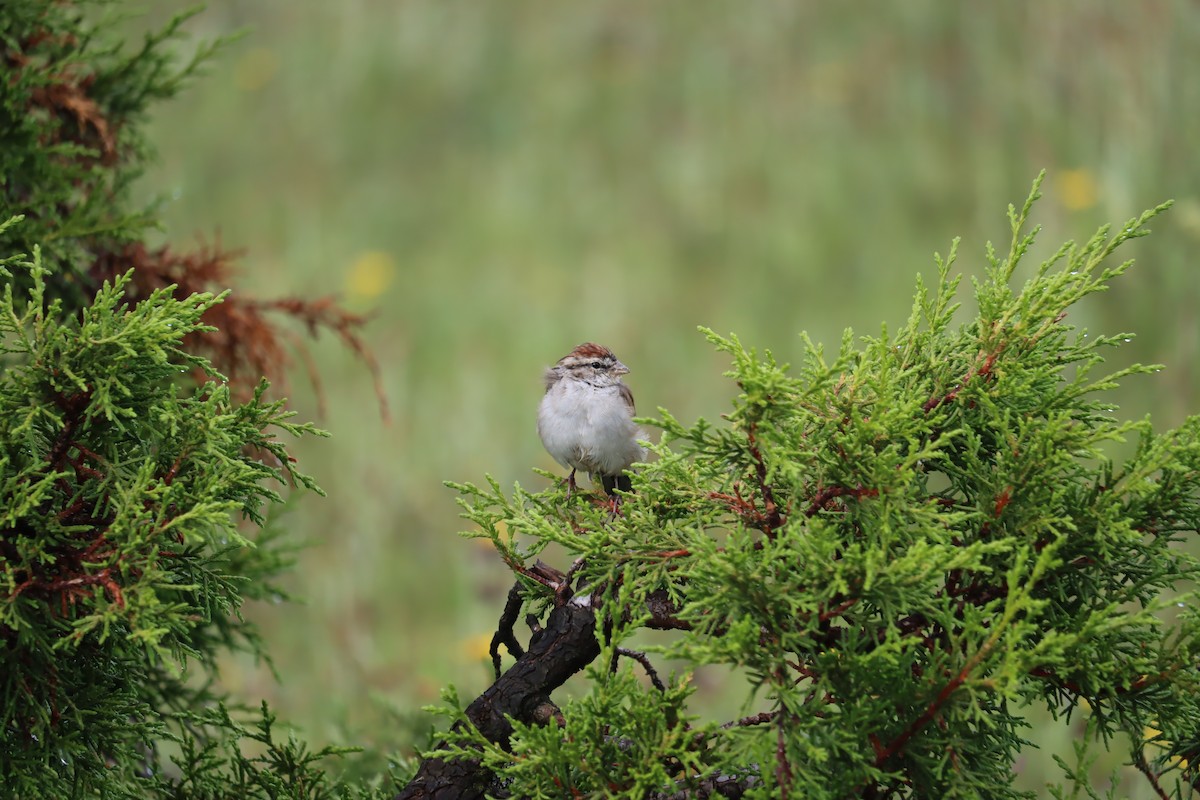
(370, 275)
(483, 544)
(486, 543)
(1077, 189)
(477, 647)
(1149, 733)
(256, 69)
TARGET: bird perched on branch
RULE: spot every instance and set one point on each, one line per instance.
(585, 419)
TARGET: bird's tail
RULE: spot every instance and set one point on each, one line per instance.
(612, 482)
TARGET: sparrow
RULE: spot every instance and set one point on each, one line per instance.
(585, 419)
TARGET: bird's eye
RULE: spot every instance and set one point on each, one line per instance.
(597, 365)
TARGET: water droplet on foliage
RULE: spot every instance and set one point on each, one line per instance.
(1128, 339)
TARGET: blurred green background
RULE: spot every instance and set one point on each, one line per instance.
(500, 182)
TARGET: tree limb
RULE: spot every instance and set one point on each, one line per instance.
(566, 645)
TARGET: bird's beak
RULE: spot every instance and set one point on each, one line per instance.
(620, 368)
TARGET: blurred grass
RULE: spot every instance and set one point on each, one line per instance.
(503, 181)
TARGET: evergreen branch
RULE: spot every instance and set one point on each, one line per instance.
(644, 660)
(1143, 766)
(772, 518)
(884, 753)
(565, 646)
(896, 546)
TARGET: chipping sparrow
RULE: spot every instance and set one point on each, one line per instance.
(586, 417)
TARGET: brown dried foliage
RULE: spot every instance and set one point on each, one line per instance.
(247, 344)
(64, 94)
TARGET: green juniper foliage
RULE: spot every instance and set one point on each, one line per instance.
(134, 485)
(71, 143)
(122, 561)
(899, 550)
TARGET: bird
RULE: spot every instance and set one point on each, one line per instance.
(585, 419)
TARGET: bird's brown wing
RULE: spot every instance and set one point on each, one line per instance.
(627, 396)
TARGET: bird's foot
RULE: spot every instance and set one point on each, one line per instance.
(612, 502)
(614, 505)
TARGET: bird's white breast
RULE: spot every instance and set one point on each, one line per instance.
(588, 428)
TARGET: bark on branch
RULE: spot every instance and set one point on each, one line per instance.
(564, 646)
